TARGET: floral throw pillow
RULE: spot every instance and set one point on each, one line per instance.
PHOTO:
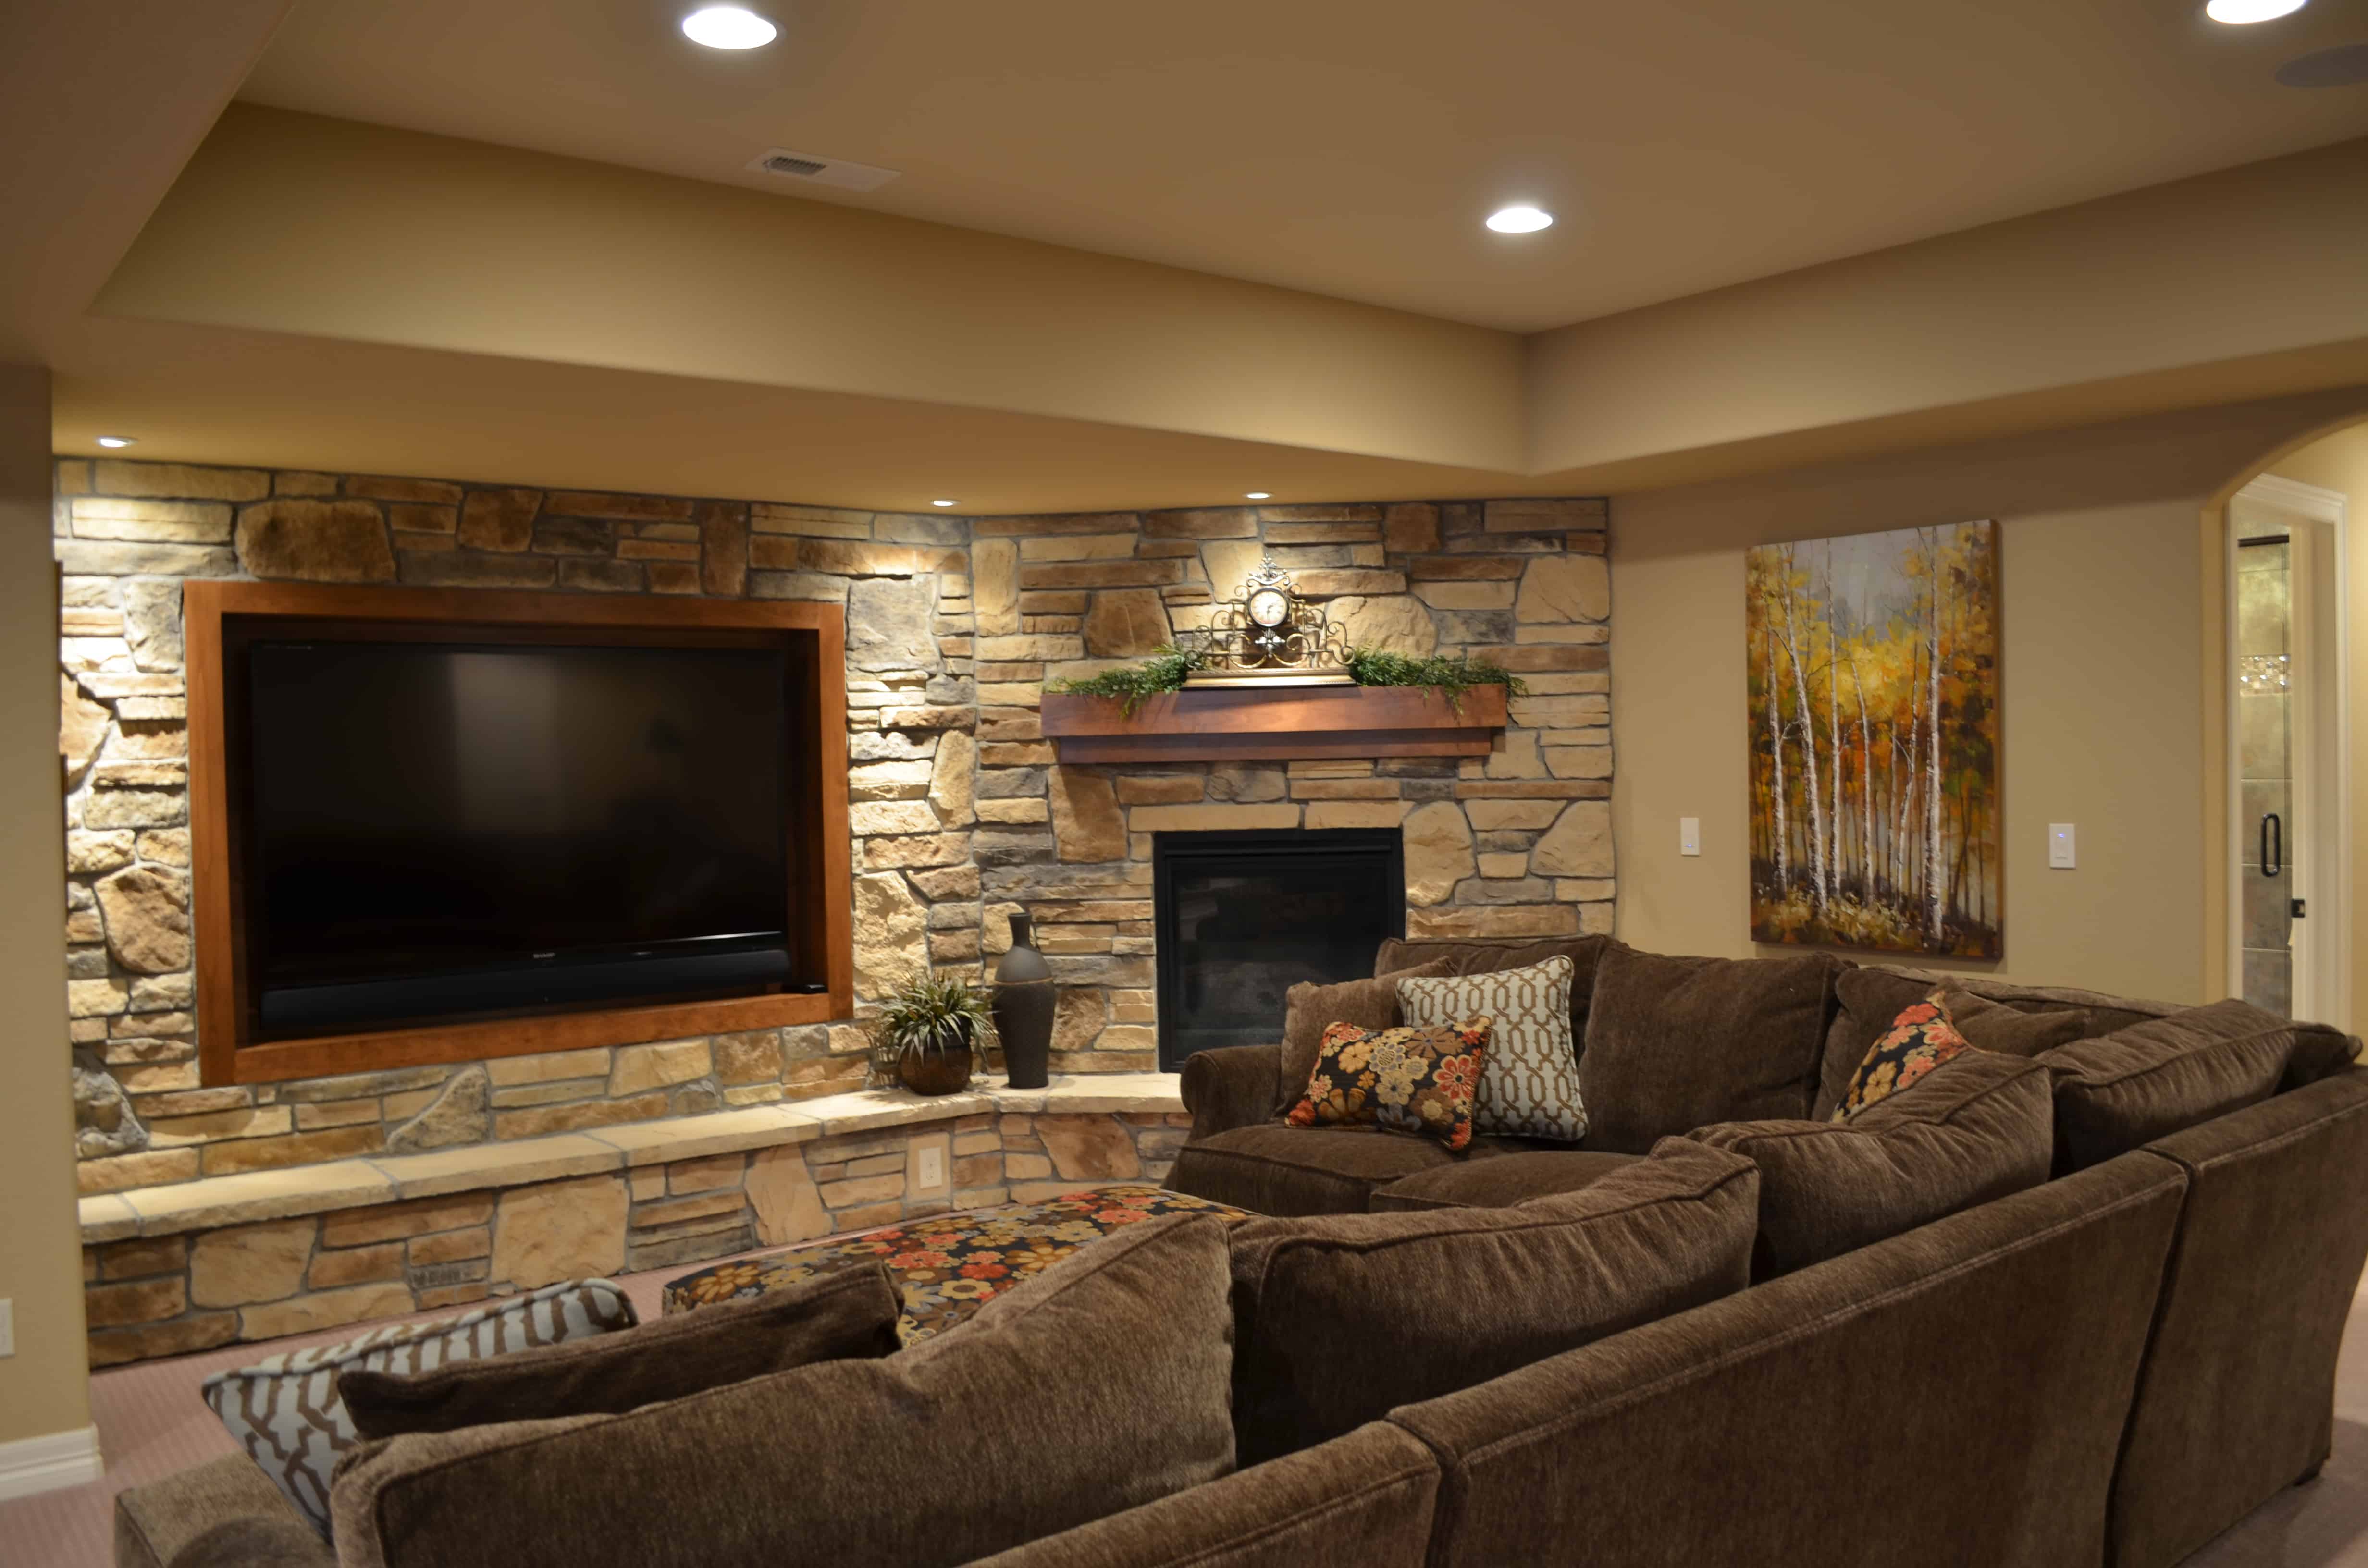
(1530, 1089)
(1402, 1080)
(1920, 1039)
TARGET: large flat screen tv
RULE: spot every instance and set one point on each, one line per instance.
(441, 830)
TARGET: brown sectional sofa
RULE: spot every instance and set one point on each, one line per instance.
(1981, 1363)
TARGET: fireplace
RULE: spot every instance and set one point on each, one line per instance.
(1240, 917)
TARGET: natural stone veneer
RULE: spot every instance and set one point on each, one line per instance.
(960, 813)
(241, 1272)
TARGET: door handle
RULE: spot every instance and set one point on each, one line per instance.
(2273, 845)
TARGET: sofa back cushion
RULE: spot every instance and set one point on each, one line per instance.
(2161, 1076)
(1954, 1394)
(1340, 1318)
(1099, 1385)
(1978, 1127)
(1871, 1000)
(1677, 1043)
(850, 1313)
(1309, 1008)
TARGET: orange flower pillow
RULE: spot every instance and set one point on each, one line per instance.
(1920, 1039)
(1402, 1080)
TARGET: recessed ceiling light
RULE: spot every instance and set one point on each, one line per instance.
(1529, 220)
(113, 441)
(941, 503)
(728, 27)
(1258, 494)
(2242, 11)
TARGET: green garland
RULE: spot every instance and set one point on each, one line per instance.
(1164, 671)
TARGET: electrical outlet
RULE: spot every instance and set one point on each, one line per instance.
(932, 1169)
(8, 1328)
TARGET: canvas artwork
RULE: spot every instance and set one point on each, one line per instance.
(1873, 695)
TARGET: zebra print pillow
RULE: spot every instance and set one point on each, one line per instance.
(286, 1412)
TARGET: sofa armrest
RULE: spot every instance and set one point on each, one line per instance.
(1230, 1087)
(154, 1523)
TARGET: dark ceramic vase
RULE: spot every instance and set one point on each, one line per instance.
(1023, 1007)
(945, 1070)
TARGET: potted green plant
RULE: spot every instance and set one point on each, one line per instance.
(934, 1030)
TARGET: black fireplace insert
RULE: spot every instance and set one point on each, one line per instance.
(1240, 917)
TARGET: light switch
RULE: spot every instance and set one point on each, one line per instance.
(2059, 846)
(932, 1170)
(1690, 836)
(8, 1328)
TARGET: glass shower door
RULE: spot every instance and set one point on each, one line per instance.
(2265, 671)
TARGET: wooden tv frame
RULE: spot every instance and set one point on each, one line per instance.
(819, 869)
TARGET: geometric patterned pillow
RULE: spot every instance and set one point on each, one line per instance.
(1920, 1039)
(1400, 1080)
(1529, 1086)
(285, 1411)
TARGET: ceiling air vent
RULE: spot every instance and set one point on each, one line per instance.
(821, 171)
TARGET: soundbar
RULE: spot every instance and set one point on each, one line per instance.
(296, 1012)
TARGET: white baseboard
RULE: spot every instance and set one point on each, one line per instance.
(44, 1465)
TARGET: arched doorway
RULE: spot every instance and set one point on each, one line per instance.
(2293, 651)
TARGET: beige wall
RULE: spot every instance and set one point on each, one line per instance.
(41, 1387)
(2093, 312)
(290, 222)
(2341, 463)
(2102, 680)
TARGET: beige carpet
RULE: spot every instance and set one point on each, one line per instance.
(150, 1422)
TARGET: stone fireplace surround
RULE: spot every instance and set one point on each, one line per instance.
(960, 813)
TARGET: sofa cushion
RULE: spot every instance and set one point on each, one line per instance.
(156, 1522)
(1400, 1080)
(1099, 1385)
(1529, 1081)
(1976, 1128)
(1677, 1043)
(286, 1410)
(2124, 1089)
(853, 1313)
(1499, 1183)
(1340, 1319)
(1277, 1169)
(1870, 1000)
(1309, 1009)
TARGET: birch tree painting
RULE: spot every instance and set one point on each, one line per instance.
(1872, 666)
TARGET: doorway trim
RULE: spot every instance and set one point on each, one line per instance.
(2320, 514)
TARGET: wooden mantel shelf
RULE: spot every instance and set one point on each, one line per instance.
(1230, 724)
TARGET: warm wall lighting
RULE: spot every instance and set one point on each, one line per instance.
(1529, 220)
(112, 442)
(1258, 494)
(2240, 11)
(728, 27)
(942, 503)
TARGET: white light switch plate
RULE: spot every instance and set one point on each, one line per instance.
(932, 1170)
(1690, 836)
(2060, 854)
(8, 1328)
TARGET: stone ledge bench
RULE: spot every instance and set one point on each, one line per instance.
(195, 1264)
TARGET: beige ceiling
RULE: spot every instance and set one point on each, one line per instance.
(1351, 147)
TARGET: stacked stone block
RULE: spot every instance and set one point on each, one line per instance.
(960, 811)
(1515, 843)
(168, 1295)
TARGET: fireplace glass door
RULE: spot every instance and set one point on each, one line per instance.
(1241, 917)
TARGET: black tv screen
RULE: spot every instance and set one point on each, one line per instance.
(441, 828)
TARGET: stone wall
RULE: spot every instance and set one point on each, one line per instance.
(167, 1295)
(1516, 843)
(959, 811)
